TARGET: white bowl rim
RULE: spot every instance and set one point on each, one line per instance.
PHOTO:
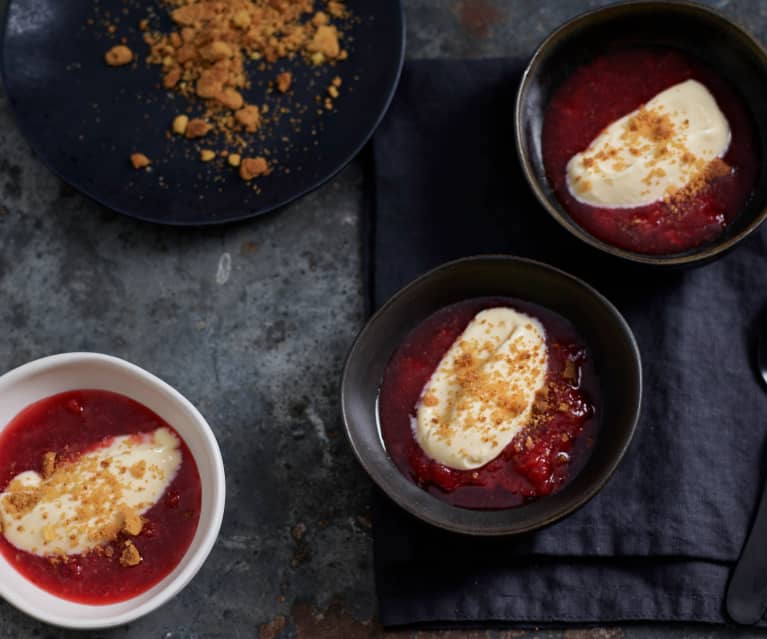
(193, 562)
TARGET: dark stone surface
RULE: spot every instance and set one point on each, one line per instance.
(258, 348)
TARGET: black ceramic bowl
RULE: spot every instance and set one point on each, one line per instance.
(696, 30)
(613, 348)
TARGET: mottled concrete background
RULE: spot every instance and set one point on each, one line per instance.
(252, 322)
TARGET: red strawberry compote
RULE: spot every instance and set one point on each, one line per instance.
(650, 150)
(99, 497)
(487, 415)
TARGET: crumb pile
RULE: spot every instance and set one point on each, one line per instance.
(204, 59)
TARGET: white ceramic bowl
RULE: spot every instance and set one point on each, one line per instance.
(70, 371)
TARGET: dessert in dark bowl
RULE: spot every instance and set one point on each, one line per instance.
(552, 382)
(639, 128)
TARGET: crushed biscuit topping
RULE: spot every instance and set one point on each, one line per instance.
(206, 53)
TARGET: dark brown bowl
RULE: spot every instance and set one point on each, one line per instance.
(697, 30)
(616, 359)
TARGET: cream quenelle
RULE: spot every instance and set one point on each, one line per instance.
(653, 152)
(75, 506)
(481, 395)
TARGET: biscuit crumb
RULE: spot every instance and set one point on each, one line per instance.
(132, 523)
(138, 469)
(49, 464)
(253, 167)
(196, 128)
(284, 80)
(139, 161)
(49, 534)
(325, 41)
(234, 159)
(130, 555)
(206, 155)
(179, 124)
(118, 56)
(336, 9)
(249, 117)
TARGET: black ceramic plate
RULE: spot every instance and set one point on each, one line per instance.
(616, 358)
(84, 118)
(699, 31)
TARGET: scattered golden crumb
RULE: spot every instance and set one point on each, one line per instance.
(130, 555)
(139, 160)
(325, 41)
(284, 80)
(196, 128)
(206, 155)
(336, 9)
(138, 469)
(320, 18)
(249, 117)
(132, 523)
(179, 124)
(118, 56)
(253, 167)
(234, 159)
(430, 400)
(49, 464)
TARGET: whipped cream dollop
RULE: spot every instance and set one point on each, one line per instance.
(75, 506)
(481, 394)
(653, 152)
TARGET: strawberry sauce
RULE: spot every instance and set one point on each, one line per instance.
(611, 86)
(71, 424)
(540, 460)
